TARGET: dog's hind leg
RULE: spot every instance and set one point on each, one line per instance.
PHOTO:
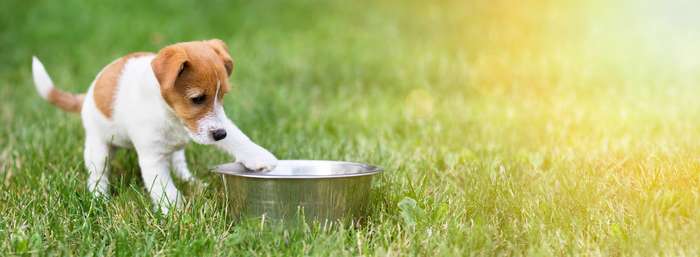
(179, 165)
(97, 154)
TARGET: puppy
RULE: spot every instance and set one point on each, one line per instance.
(156, 104)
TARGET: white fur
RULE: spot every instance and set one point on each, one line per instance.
(142, 119)
(42, 81)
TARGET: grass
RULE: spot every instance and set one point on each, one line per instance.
(541, 128)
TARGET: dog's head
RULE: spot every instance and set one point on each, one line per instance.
(193, 78)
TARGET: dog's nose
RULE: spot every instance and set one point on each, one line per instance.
(218, 134)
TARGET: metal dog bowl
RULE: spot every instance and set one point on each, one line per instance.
(317, 190)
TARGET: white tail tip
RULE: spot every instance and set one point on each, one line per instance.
(42, 81)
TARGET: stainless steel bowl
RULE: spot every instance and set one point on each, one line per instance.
(316, 190)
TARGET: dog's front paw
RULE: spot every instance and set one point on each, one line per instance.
(258, 159)
(166, 205)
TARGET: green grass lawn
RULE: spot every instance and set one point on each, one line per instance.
(542, 128)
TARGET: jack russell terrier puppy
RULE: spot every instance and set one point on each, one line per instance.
(156, 103)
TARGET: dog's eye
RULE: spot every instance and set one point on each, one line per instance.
(198, 99)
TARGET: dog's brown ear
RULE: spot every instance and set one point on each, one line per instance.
(222, 50)
(168, 65)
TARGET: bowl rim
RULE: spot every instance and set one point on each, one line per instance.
(237, 169)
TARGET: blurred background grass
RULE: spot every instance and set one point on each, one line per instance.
(520, 127)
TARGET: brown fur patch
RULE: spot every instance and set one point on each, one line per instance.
(66, 101)
(222, 50)
(193, 66)
(106, 83)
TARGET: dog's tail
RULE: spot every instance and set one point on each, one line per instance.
(64, 100)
